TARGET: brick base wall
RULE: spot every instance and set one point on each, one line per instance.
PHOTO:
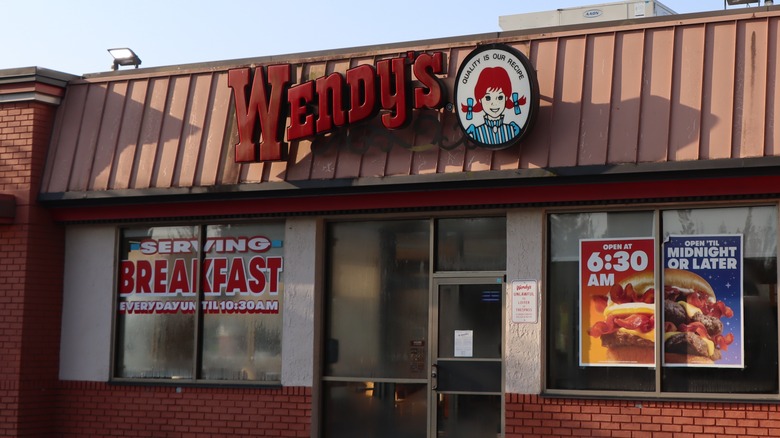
(31, 262)
(534, 416)
(94, 409)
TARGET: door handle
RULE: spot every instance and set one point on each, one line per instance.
(434, 376)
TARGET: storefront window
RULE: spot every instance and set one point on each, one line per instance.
(692, 305)
(565, 325)
(376, 329)
(201, 303)
(375, 409)
(153, 341)
(471, 244)
(378, 301)
(721, 245)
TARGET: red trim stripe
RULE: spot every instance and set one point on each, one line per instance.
(733, 186)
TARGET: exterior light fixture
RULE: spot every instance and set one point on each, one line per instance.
(124, 56)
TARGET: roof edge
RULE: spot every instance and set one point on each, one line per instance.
(529, 34)
(33, 84)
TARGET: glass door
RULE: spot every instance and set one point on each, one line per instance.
(466, 365)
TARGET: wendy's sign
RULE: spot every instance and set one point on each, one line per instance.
(496, 95)
(495, 103)
(264, 100)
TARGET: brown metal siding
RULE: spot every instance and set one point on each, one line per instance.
(625, 102)
(718, 75)
(681, 90)
(536, 153)
(129, 135)
(656, 95)
(192, 130)
(111, 119)
(773, 97)
(751, 88)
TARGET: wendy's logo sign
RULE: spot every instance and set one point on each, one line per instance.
(265, 98)
(496, 95)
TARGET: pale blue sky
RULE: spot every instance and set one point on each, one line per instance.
(72, 36)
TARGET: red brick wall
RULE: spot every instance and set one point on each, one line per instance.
(33, 402)
(31, 261)
(534, 416)
(92, 409)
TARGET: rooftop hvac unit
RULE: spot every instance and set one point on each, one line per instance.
(585, 14)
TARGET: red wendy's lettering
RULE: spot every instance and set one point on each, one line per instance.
(330, 89)
(330, 102)
(362, 92)
(393, 92)
(431, 94)
(267, 108)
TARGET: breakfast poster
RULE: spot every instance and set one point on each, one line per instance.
(617, 302)
(703, 314)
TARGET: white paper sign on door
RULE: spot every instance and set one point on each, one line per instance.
(464, 343)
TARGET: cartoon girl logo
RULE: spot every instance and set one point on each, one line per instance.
(497, 95)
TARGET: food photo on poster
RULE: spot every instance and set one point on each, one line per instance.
(617, 302)
(703, 301)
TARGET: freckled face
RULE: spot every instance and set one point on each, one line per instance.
(494, 103)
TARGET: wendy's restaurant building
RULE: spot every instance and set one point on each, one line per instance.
(567, 231)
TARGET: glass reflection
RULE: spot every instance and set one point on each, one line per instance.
(471, 244)
(468, 416)
(375, 409)
(758, 227)
(244, 290)
(377, 309)
(156, 315)
(566, 231)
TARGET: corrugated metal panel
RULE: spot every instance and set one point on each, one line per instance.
(129, 136)
(567, 101)
(66, 135)
(718, 92)
(625, 104)
(86, 146)
(536, 152)
(680, 90)
(171, 132)
(750, 96)
(656, 95)
(687, 74)
(111, 122)
(597, 95)
(773, 91)
(188, 158)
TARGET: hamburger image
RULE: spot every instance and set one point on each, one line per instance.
(693, 330)
(628, 328)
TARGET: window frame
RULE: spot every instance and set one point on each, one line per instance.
(657, 394)
(200, 295)
(326, 381)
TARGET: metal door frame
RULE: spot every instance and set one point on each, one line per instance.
(459, 278)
